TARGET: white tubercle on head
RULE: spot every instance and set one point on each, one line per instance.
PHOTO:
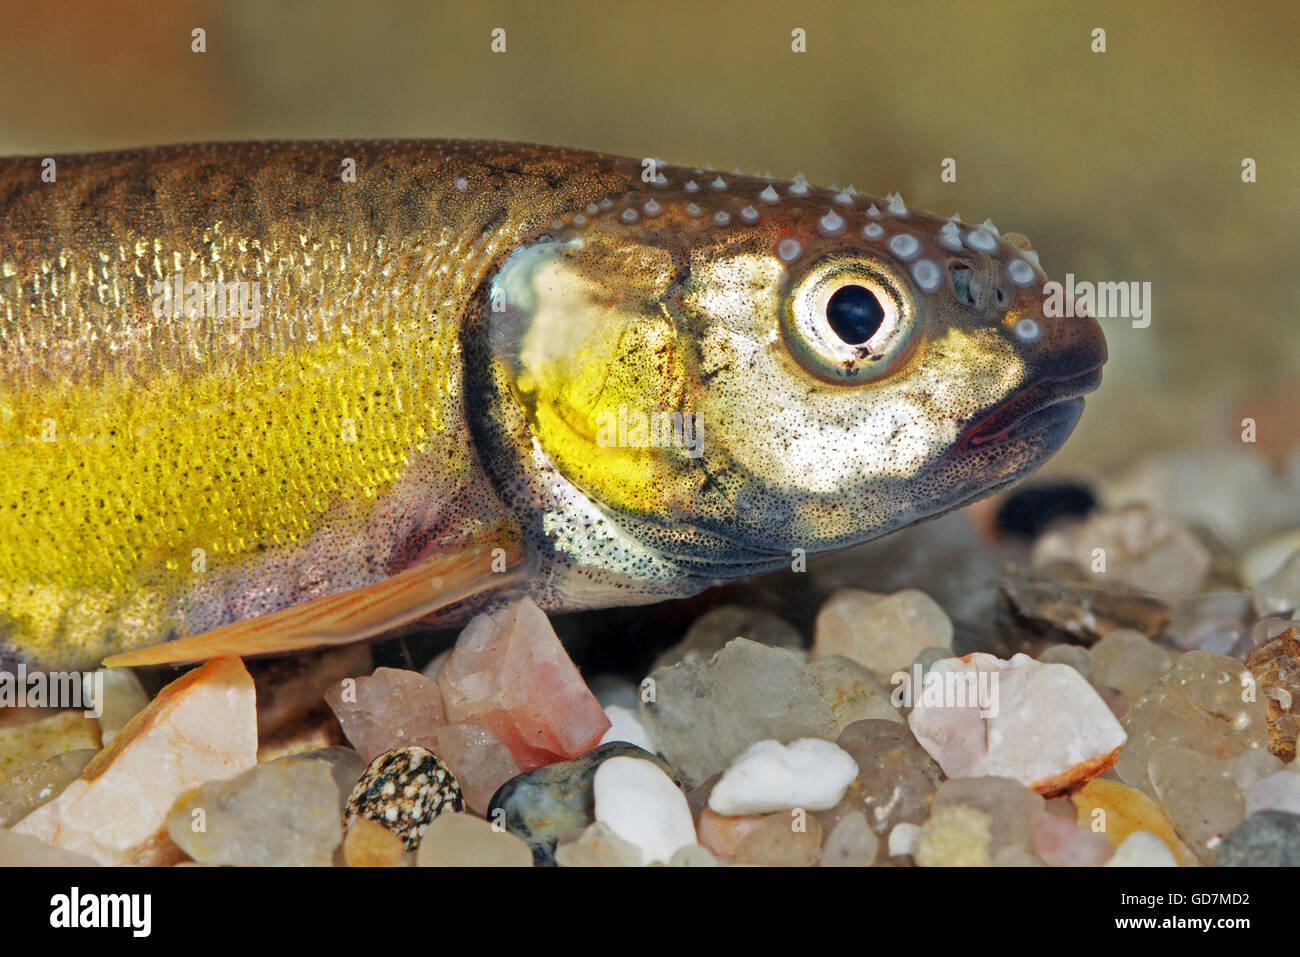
(831, 224)
(950, 236)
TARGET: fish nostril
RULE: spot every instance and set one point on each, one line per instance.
(961, 277)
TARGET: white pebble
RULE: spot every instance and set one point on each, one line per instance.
(1142, 849)
(1041, 724)
(770, 776)
(625, 725)
(1277, 792)
(642, 805)
(902, 839)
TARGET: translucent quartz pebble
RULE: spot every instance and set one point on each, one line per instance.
(510, 673)
(627, 724)
(23, 850)
(946, 558)
(1280, 593)
(1015, 857)
(462, 840)
(344, 763)
(1042, 725)
(1205, 703)
(202, 727)
(1059, 841)
(434, 667)
(1142, 849)
(1252, 766)
(771, 776)
(1010, 806)
(1266, 839)
(598, 846)
(1133, 547)
(26, 787)
(702, 715)
(1277, 792)
(1265, 559)
(1276, 666)
(853, 692)
(282, 814)
(1076, 656)
(712, 630)
(124, 698)
(851, 843)
(1212, 622)
(1115, 810)
(644, 806)
(392, 708)
(478, 759)
(1128, 661)
(782, 840)
(692, 855)
(1199, 795)
(884, 633)
(954, 836)
(1231, 488)
(1266, 629)
(896, 779)
(722, 834)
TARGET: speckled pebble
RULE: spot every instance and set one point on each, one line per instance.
(404, 790)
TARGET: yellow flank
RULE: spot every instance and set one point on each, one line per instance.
(110, 489)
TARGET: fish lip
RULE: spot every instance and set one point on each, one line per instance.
(1014, 413)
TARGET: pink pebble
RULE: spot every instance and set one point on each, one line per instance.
(510, 674)
(1059, 841)
(393, 708)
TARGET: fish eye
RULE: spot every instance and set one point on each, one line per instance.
(854, 313)
(849, 320)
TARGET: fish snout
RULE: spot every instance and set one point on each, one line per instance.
(1071, 347)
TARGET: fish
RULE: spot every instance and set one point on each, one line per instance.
(264, 396)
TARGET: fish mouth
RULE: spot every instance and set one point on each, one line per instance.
(1044, 406)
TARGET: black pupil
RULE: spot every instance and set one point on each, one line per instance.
(855, 314)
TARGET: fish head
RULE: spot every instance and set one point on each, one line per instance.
(727, 369)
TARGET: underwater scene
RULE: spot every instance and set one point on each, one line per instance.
(591, 435)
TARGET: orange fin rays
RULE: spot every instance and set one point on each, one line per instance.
(348, 616)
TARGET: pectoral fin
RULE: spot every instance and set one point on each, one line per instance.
(348, 616)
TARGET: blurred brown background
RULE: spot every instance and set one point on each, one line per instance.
(1119, 166)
